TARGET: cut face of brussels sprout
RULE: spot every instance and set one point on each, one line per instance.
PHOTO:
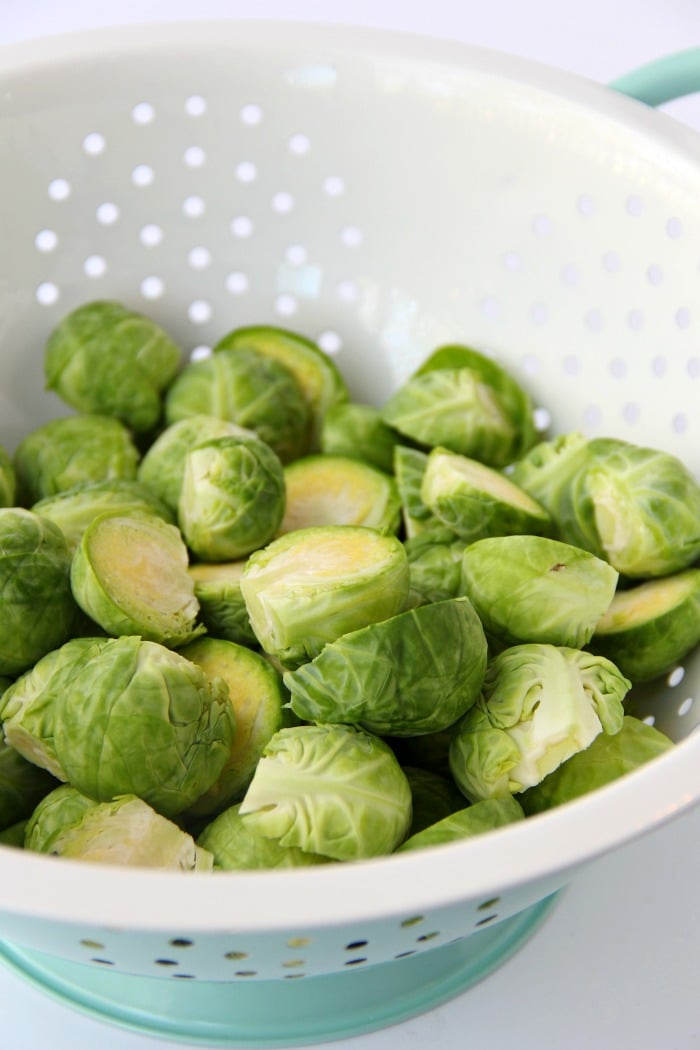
(307, 588)
(222, 609)
(22, 786)
(57, 811)
(540, 705)
(8, 485)
(37, 609)
(149, 723)
(245, 387)
(414, 673)
(314, 371)
(606, 759)
(331, 790)
(475, 501)
(130, 576)
(533, 589)
(127, 831)
(650, 628)
(74, 509)
(481, 817)
(232, 498)
(163, 464)
(256, 696)
(236, 846)
(74, 450)
(336, 490)
(357, 430)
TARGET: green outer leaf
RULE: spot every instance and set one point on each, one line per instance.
(22, 785)
(331, 790)
(409, 469)
(8, 483)
(434, 796)
(414, 673)
(435, 564)
(483, 816)
(236, 846)
(60, 809)
(357, 430)
(222, 608)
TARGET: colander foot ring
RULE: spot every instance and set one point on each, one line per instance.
(279, 1013)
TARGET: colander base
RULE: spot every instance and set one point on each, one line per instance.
(278, 1013)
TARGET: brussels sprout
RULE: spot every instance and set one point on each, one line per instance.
(434, 797)
(74, 450)
(149, 723)
(487, 815)
(604, 760)
(463, 401)
(14, 835)
(130, 576)
(533, 589)
(409, 470)
(248, 388)
(417, 672)
(638, 508)
(429, 752)
(28, 707)
(357, 430)
(307, 588)
(163, 464)
(317, 376)
(222, 609)
(540, 705)
(74, 509)
(256, 695)
(232, 498)
(475, 501)
(37, 608)
(236, 846)
(337, 490)
(60, 809)
(8, 484)
(332, 790)
(22, 785)
(435, 565)
(650, 628)
(127, 831)
(107, 359)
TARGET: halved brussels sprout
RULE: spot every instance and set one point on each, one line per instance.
(409, 469)
(317, 375)
(222, 608)
(487, 815)
(534, 589)
(414, 673)
(163, 463)
(466, 402)
(331, 790)
(474, 500)
(434, 797)
(127, 831)
(37, 608)
(236, 846)
(435, 565)
(337, 490)
(232, 498)
(650, 628)
(307, 588)
(604, 760)
(108, 359)
(60, 809)
(638, 508)
(22, 785)
(8, 484)
(74, 509)
(73, 450)
(130, 576)
(245, 387)
(149, 723)
(540, 705)
(358, 430)
(256, 696)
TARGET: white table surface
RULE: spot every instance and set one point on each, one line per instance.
(617, 964)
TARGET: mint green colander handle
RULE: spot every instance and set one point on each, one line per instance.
(664, 79)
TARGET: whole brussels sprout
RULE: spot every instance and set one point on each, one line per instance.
(487, 815)
(353, 429)
(8, 484)
(245, 387)
(73, 450)
(107, 359)
(37, 608)
(236, 846)
(60, 809)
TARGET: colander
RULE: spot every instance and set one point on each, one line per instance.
(382, 194)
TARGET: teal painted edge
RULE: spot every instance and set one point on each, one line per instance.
(280, 1013)
(664, 79)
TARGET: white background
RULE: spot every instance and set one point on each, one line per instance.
(617, 964)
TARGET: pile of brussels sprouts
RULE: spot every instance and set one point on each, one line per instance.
(248, 622)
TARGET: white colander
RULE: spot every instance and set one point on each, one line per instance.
(382, 194)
